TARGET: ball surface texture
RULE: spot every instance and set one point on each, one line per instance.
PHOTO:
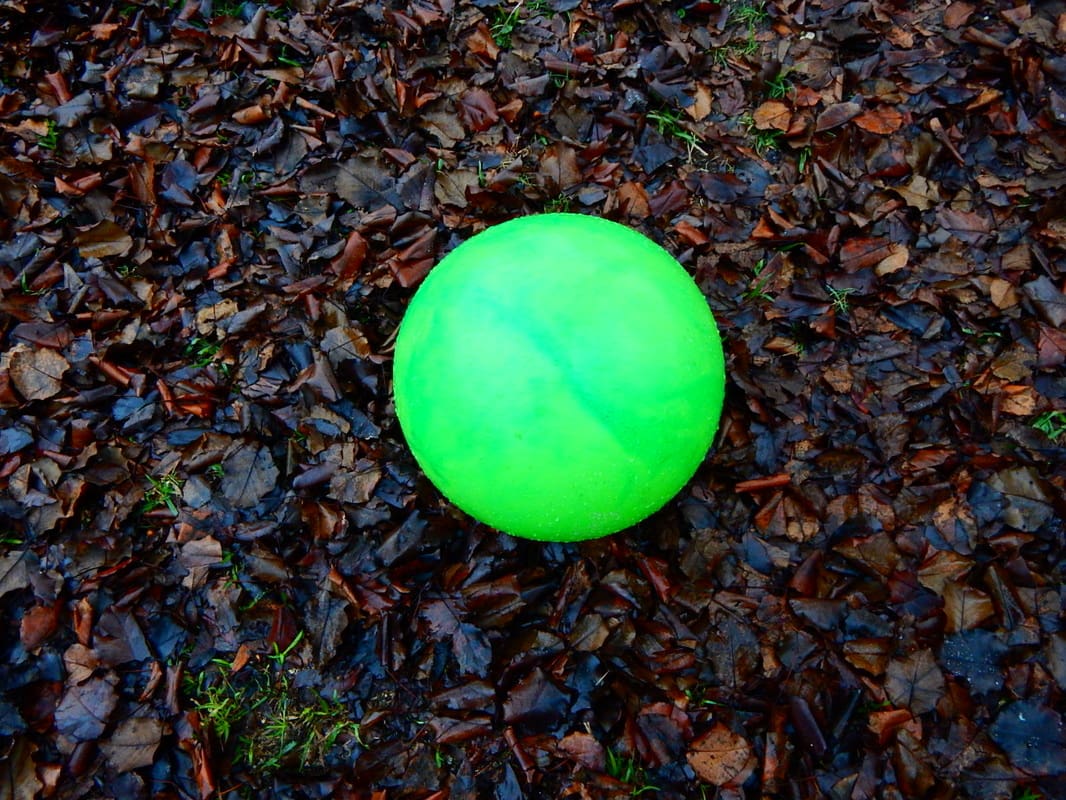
(559, 377)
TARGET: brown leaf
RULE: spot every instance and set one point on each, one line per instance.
(18, 771)
(198, 556)
(919, 192)
(451, 187)
(1052, 347)
(37, 625)
(870, 655)
(535, 700)
(481, 43)
(37, 372)
(773, 115)
(965, 607)
(968, 226)
(133, 743)
(81, 662)
(721, 757)
(956, 15)
(915, 682)
(477, 109)
(885, 724)
(558, 168)
(856, 254)
(836, 115)
(633, 200)
(585, 750)
(882, 121)
(356, 485)
(102, 240)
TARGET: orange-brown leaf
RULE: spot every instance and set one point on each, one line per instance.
(722, 757)
(772, 115)
(882, 121)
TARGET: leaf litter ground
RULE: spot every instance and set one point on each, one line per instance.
(224, 574)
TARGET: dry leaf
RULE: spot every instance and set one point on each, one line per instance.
(722, 757)
(880, 120)
(772, 115)
(102, 240)
(133, 744)
(37, 372)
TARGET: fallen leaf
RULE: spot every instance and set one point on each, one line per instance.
(976, 656)
(85, 709)
(881, 121)
(133, 744)
(721, 757)
(37, 625)
(103, 239)
(248, 475)
(198, 556)
(915, 682)
(37, 372)
(968, 226)
(558, 167)
(772, 115)
(81, 662)
(18, 771)
(965, 607)
(836, 115)
(957, 14)
(13, 572)
(1049, 302)
(535, 700)
(477, 110)
(1033, 737)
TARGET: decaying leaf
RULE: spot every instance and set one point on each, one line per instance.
(722, 757)
(133, 744)
(915, 682)
(102, 240)
(248, 474)
(37, 372)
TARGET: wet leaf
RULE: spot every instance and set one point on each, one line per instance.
(915, 682)
(535, 701)
(1033, 737)
(975, 656)
(1050, 303)
(469, 645)
(968, 226)
(38, 625)
(248, 474)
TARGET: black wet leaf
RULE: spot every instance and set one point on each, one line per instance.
(1033, 737)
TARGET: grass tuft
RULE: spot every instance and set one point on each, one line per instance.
(1052, 424)
(162, 491)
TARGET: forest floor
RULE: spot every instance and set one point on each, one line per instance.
(223, 573)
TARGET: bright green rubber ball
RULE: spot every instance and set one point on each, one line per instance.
(559, 377)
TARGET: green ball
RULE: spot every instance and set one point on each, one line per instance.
(559, 377)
